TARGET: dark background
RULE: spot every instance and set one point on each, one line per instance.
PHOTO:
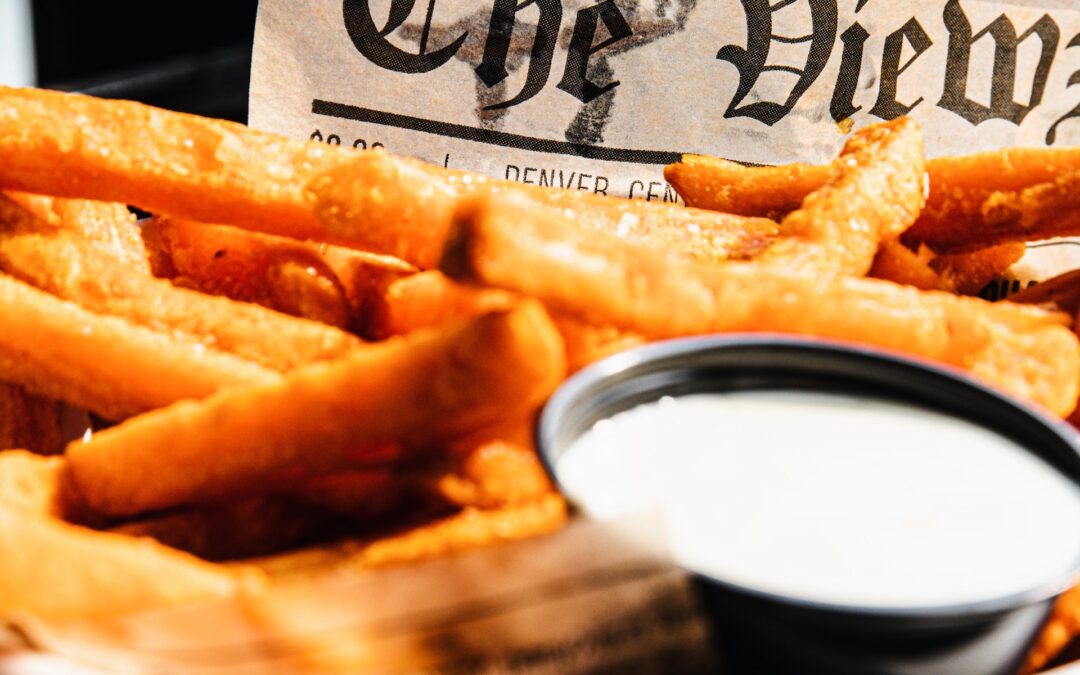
(193, 56)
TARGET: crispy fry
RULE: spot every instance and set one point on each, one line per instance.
(105, 364)
(425, 300)
(975, 201)
(964, 273)
(29, 422)
(1060, 629)
(493, 474)
(875, 193)
(218, 172)
(588, 343)
(326, 283)
(64, 265)
(74, 568)
(968, 273)
(607, 281)
(719, 185)
(109, 226)
(418, 392)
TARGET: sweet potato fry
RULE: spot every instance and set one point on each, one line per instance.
(325, 283)
(975, 201)
(105, 364)
(607, 281)
(899, 264)
(218, 172)
(874, 194)
(66, 266)
(64, 571)
(419, 391)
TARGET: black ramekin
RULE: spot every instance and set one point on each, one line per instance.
(759, 632)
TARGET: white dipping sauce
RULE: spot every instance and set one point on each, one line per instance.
(831, 498)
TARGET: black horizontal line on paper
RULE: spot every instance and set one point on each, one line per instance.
(492, 137)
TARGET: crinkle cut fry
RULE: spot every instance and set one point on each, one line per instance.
(65, 571)
(106, 364)
(219, 172)
(67, 266)
(874, 194)
(607, 281)
(962, 211)
(419, 392)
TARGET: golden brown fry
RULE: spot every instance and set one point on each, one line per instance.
(66, 266)
(243, 528)
(968, 273)
(975, 201)
(29, 422)
(719, 185)
(588, 343)
(874, 194)
(218, 172)
(65, 571)
(425, 300)
(326, 283)
(108, 226)
(419, 391)
(492, 474)
(105, 364)
(1062, 292)
(964, 273)
(607, 281)
(1060, 629)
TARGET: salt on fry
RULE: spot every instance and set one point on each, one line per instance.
(604, 280)
(67, 266)
(419, 392)
(106, 364)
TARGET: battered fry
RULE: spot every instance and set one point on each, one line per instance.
(218, 172)
(417, 392)
(105, 364)
(29, 422)
(67, 266)
(604, 281)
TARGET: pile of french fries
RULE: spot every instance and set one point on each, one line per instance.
(306, 343)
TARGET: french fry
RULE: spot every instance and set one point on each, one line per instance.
(425, 300)
(325, 283)
(721, 185)
(73, 568)
(874, 194)
(604, 280)
(218, 172)
(29, 422)
(1062, 292)
(418, 392)
(588, 343)
(975, 201)
(108, 226)
(963, 273)
(66, 266)
(106, 364)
